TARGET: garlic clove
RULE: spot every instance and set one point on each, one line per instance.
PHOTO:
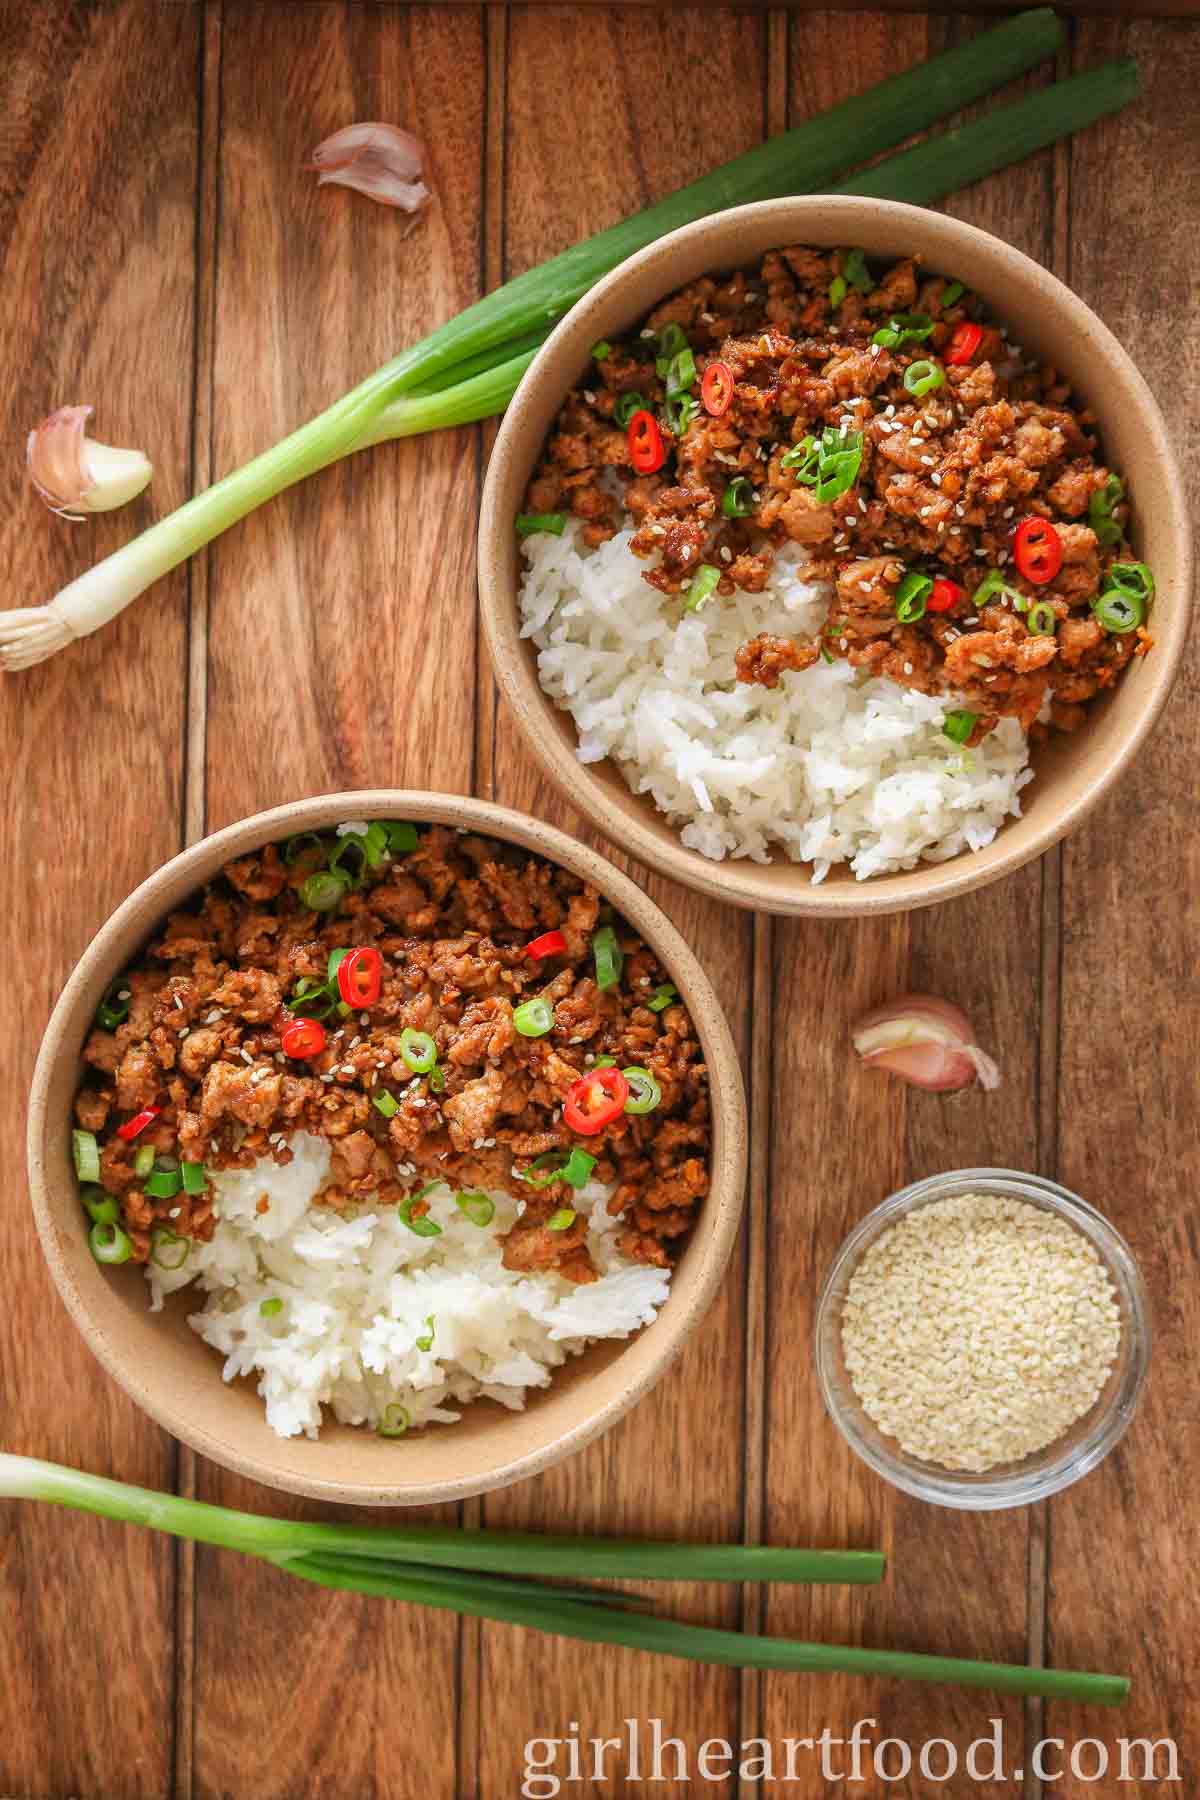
(381, 161)
(75, 475)
(927, 1041)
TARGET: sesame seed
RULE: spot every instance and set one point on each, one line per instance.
(589, 396)
(178, 999)
(124, 994)
(246, 1056)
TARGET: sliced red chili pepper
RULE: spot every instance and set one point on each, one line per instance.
(303, 1038)
(716, 388)
(946, 593)
(551, 943)
(134, 1127)
(596, 1099)
(646, 451)
(360, 977)
(965, 340)
(1037, 550)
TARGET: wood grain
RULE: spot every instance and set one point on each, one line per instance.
(97, 271)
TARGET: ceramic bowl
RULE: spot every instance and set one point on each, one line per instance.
(176, 1378)
(1073, 773)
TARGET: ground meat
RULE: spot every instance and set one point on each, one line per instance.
(765, 658)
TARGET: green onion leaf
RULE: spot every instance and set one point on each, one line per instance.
(109, 1244)
(1118, 612)
(426, 1342)
(840, 472)
(1041, 620)
(113, 1009)
(627, 404)
(1132, 579)
(854, 268)
(395, 1421)
(271, 1309)
(301, 844)
(529, 524)
(952, 292)
(1100, 512)
(311, 999)
(671, 340)
(609, 957)
(737, 502)
(680, 410)
(143, 1162)
(163, 1184)
(994, 587)
(912, 596)
(681, 372)
(924, 377)
(325, 890)
(663, 997)
(195, 1177)
(701, 587)
(421, 1226)
(168, 1250)
(478, 1207)
(534, 1018)
(376, 842)
(436, 1080)
(562, 1220)
(86, 1152)
(644, 1092)
(958, 726)
(401, 836)
(803, 461)
(385, 1103)
(605, 1062)
(336, 959)
(903, 328)
(350, 845)
(838, 289)
(101, 1208)
(418, 1050)
(601, 351)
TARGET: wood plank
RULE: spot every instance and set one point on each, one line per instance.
(1124, 1592)
(674, 1466)
(97, 268)
(372, 641)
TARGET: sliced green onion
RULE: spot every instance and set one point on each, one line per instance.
(562, 1220)
(680, 410)
(113, 1009)
(682, 371)
(478, 1207)
(421, 1226)
(1134, 580)
(86, 1152)
(912, 596)
(644, 1092)
(298, 846)
(271, 1309)
(101, 1208)
(1041, 620)
(840, 472)
(1118, 612)
(574, 1167)
(958, 726)
(854, 268)
(401, 836)
(336, 959)
(663, 997)
(195, 1177)
(163, 1184)
(671, 340)
(605, 1062)
(627, 404)
(385, 1103)
(529, 524)
(143, 1162)
(702, 585)
(436, 1080)
(311, 999)
(395, 1421)
(601, 351)
(609, 957)
(803, 460)
(826, 653)
(418, 1050)
(534, 1018)
(350, 843)
(737, 502)
(168, 1250)
(376, 842)
(924, 377)
(426, 1342)
(838, 289)
(994, 587)
(952, 292)
(324, 890)
(830, 464)
(109, 1244)
(1100, 512)
(903, 328)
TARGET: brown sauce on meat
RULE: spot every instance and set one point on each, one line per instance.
(208, 1002)
(944, 480)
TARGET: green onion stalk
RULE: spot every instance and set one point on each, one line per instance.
(470, 367)
(486, 1575)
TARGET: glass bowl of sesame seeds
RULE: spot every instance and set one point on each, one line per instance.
(983, 1338)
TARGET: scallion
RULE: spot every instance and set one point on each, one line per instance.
(671, 340)
(903, 328)
(476, 1206)
(680, 409)
(271, 1309)
(737, 502)
(534, 1018)
(644, 1092)
(1108, 530)
(924, 377)
(385, 1103)
(608, 957)
(662, 997)
(1118, 612)
(401, 836)
(163, 1184)
(109, 1244)
(1134, 580)
(325, 890)
(394, 1422)
(601, 351)
(421, 1225)
(952, 293)
(86, 1152)
(418, 1050)
(627, 404)
(113, 1009)
(350, 845)
(425, 1342)
(856, 272)
(959, 725)
(681, 371)
(1041, 620)
(195, 1177)
(101, 1208)
(838, 289)
(301, 845)
(529, 524)
(168, 1250)
(701, 587)
(994, 587)
(575, 1167)
(912, 595)
(143, 1162)
(562, 1220)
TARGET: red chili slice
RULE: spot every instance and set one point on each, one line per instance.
(716, 388)
(1037, 550)
(360, 977)
(134, 1127)
(551, 943)
(965, 340)
(596, 1099)
(646, 451)
(303, 1038)
(946, 594)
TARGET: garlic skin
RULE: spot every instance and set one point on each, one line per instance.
(75, 475)
(381, 161)
(927, 1041)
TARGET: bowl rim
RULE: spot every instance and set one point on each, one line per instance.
(954, 1489)
(737, 880)
(728, 1161)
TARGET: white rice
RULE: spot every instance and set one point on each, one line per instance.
(831, 766)
(358, 1292)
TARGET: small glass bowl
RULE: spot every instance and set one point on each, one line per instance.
(1069, 1457)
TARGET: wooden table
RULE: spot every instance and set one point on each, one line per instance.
(165, 258)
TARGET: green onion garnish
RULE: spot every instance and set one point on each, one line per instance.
(401, 836)
(605, 1062)
(324, 890)
(826, 653)
(923, 377)
(644, 1092)
(701, 586)
(195, 1177)
(436, 1080)
(682, 371)
(479, 1208)
(528, 524)
(101, 1208)
(143, 1162)
(1100, 512)
(952, 292)
(271, 1309)
(163, 1184)
(376, 842)
(354, 845)
(1041, 620)
(663, 997)
(113, 1009)
(534, 1018)
(1132, 579)
(803, 460)
(1118, 612)
(680, 410)
(109, 1244)
(562, 1220)
(671, 340)
(737, 502)
(86, 1152)
(418, 1050)
(557, 1165)
(958, 726)
(601, 351)
(420, 1226)
(336, 959)
(838, 289)
(298, 846)
(426, 1342)
(854, 268)
(395, 1421)
(994, 587)
(168, 1250)
(627, 404)
(830, 464)
(609, 957)
(385, 1103)
(912, 595)
(311, 999)
(903, 328)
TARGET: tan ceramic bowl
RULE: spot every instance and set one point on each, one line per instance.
(1072, 773)
(176, 1378)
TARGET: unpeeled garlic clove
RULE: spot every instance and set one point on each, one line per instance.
(381, 161)
(75, 475)
(925, 1040)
